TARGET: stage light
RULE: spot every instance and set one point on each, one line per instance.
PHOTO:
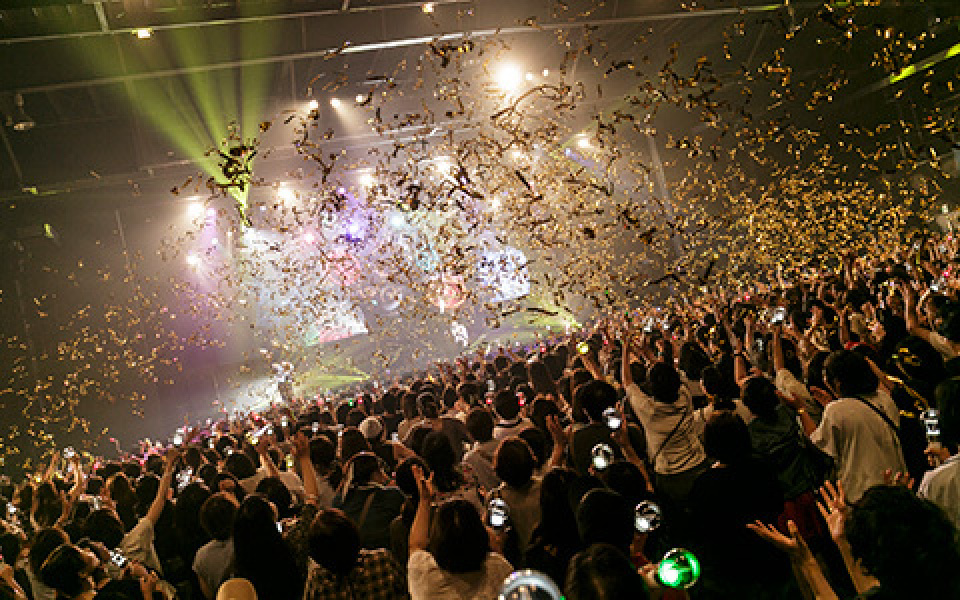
(529, 76)
(214, 242)
(583, 142)
(193, 260)
(546, 72)
(211, 212)
(286, 194)
(397, 221)
(309, 237)
(360, 98)
(144, 33)
(335, 102)
(428, 7)
(314, 104)
(516, 154)
(194, 209)
(509, 77)
(367, 179)
(354, 229)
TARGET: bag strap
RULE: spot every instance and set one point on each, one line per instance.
(883, 415)
(366, 508)
(683, 416)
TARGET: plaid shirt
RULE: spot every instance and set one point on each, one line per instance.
(377, 576)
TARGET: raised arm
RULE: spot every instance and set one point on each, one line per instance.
(420, 529)
(263, 451)
(301, 451)
(156, 509)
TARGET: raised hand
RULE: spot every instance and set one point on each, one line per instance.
(792, 544)
(833, 508)
(898, 478)
(424, 485)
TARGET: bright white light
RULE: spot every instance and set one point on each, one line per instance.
(335, 102)
(529, 76)
(443, 163)
(546, 72)
(211, 212)
(583, 142)
(509, 77)
(516, 154)
(286, 194)
(354, 229)
(360, 98)
(193, 260)
(397, 221)
(367, 179)
(309, 237)
(194, 209)
(428, 7)
(144, 33)
(314, 104)
(495, 203)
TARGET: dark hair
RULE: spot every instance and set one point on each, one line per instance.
(540, 379)
(449, 397)
(416, 437)
(692, 360)
(352, 442)
(217, 514)
(274, 490)
(440, 457)
(907, 543)
(760, 396)
(260, 553)
(186, 515)
(389, 402)
(64, 570)
(334, 541)
(322, 452)
(49, 505)
(849, 374)
(404, 478)
(458, 539)
(104, 526)
(557, 520)
(238, 490)
(355, 417)
(726, 438)
(602, 572)
(539, 444)
(409, 405)
(514, 462)
(605, 516)
(427, 405)
(594, 397)
(506, 405)
(479, 424)
(239, 465)
(664, 383)
(44, 542)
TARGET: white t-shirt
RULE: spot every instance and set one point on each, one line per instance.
(942, 487)
(137, 545)
(683, 450)
(428, 581)
(702, 415)
(861, 441)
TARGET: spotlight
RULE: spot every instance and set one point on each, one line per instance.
(516, 154)
(193, 260)
(335, 102)
(144, 33)
(23, 122)
(529, 76)
(509, 77)
(285, 194)
(211, 212)
(583, 142)
(214, 242)
(397, 221)
(360, 98)
(194, 209)
(428, 7)
(546, 72)
(314, 104)
(309, 238)
(367, 180)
